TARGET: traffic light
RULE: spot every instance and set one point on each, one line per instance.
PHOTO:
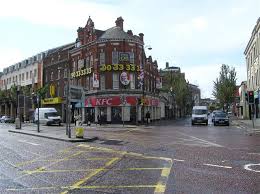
(251, 98)
(246, 96)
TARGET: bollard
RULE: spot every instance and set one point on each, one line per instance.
(79, 129)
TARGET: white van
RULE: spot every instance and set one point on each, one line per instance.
(47, 116)
(199, 115)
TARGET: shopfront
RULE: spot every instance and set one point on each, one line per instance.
(116, 109)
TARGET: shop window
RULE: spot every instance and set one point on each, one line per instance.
(23, 77)
(27, 75)
(115, 81)
(102, 82)
(116, 114)
(30, 74)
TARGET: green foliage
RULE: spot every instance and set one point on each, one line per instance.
(13, 94)
(177, 84)
(42, 91)
(2, 95)
(26, 91)
(225, 85)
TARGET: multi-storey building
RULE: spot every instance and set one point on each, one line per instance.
(55, 77)
(27, 73)
(252, 53)
(107, 70)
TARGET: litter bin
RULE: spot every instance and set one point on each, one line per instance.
(79, 129)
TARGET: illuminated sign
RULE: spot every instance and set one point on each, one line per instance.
(120, 67)
(81, 72)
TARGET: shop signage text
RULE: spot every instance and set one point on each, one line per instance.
(81, 72)
(117, 101)
(57, 100)
(120, 67)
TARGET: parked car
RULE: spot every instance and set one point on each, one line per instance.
(213, 114)
(6, 119)
(221, 118)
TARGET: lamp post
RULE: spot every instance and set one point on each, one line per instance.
(18, 120)
(143, 82)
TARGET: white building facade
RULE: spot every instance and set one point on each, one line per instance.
(252, 55)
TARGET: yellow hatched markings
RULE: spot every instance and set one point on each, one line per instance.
(92, 174)
(37, 159)
(90, 169)
(40, 169)
(160, 187)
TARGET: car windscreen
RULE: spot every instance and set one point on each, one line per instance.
(220, 114)
(51, 114)
(199, 111)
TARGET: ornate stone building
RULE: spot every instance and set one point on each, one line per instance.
(111, 77)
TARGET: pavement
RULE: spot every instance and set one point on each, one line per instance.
(247, 125)
(59, 132)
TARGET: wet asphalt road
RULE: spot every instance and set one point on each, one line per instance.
(171, 157)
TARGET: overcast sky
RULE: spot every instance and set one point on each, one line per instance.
(197, 36)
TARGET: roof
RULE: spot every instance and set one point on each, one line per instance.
(118, 34)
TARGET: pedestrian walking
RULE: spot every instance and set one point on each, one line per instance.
(99, 119)
(147, 116)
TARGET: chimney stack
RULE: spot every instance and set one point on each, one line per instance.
(167, 65)
(141, 35)
(129, 32)
(120, 23)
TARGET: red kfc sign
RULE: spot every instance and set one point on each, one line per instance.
(106, 101)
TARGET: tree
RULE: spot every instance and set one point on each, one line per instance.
(42, 91)
(176, 83)
(2, 95)
(225, 85)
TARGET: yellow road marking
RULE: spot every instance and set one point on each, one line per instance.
(125, 152)
(91, 169)
(160, 188)
(165, 172)
(80, 182)
(117, 186)
(161, 185)
(45, 167)
(36, 159)
(86, 187)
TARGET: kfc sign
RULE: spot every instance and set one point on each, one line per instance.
(107, 101)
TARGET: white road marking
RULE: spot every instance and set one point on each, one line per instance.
(214, 165)
(254, 153)
(178, 160)
(23, 141)
(208, 142)
(246, 167)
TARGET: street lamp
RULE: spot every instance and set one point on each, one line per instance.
(143, 73)
(18, 124)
